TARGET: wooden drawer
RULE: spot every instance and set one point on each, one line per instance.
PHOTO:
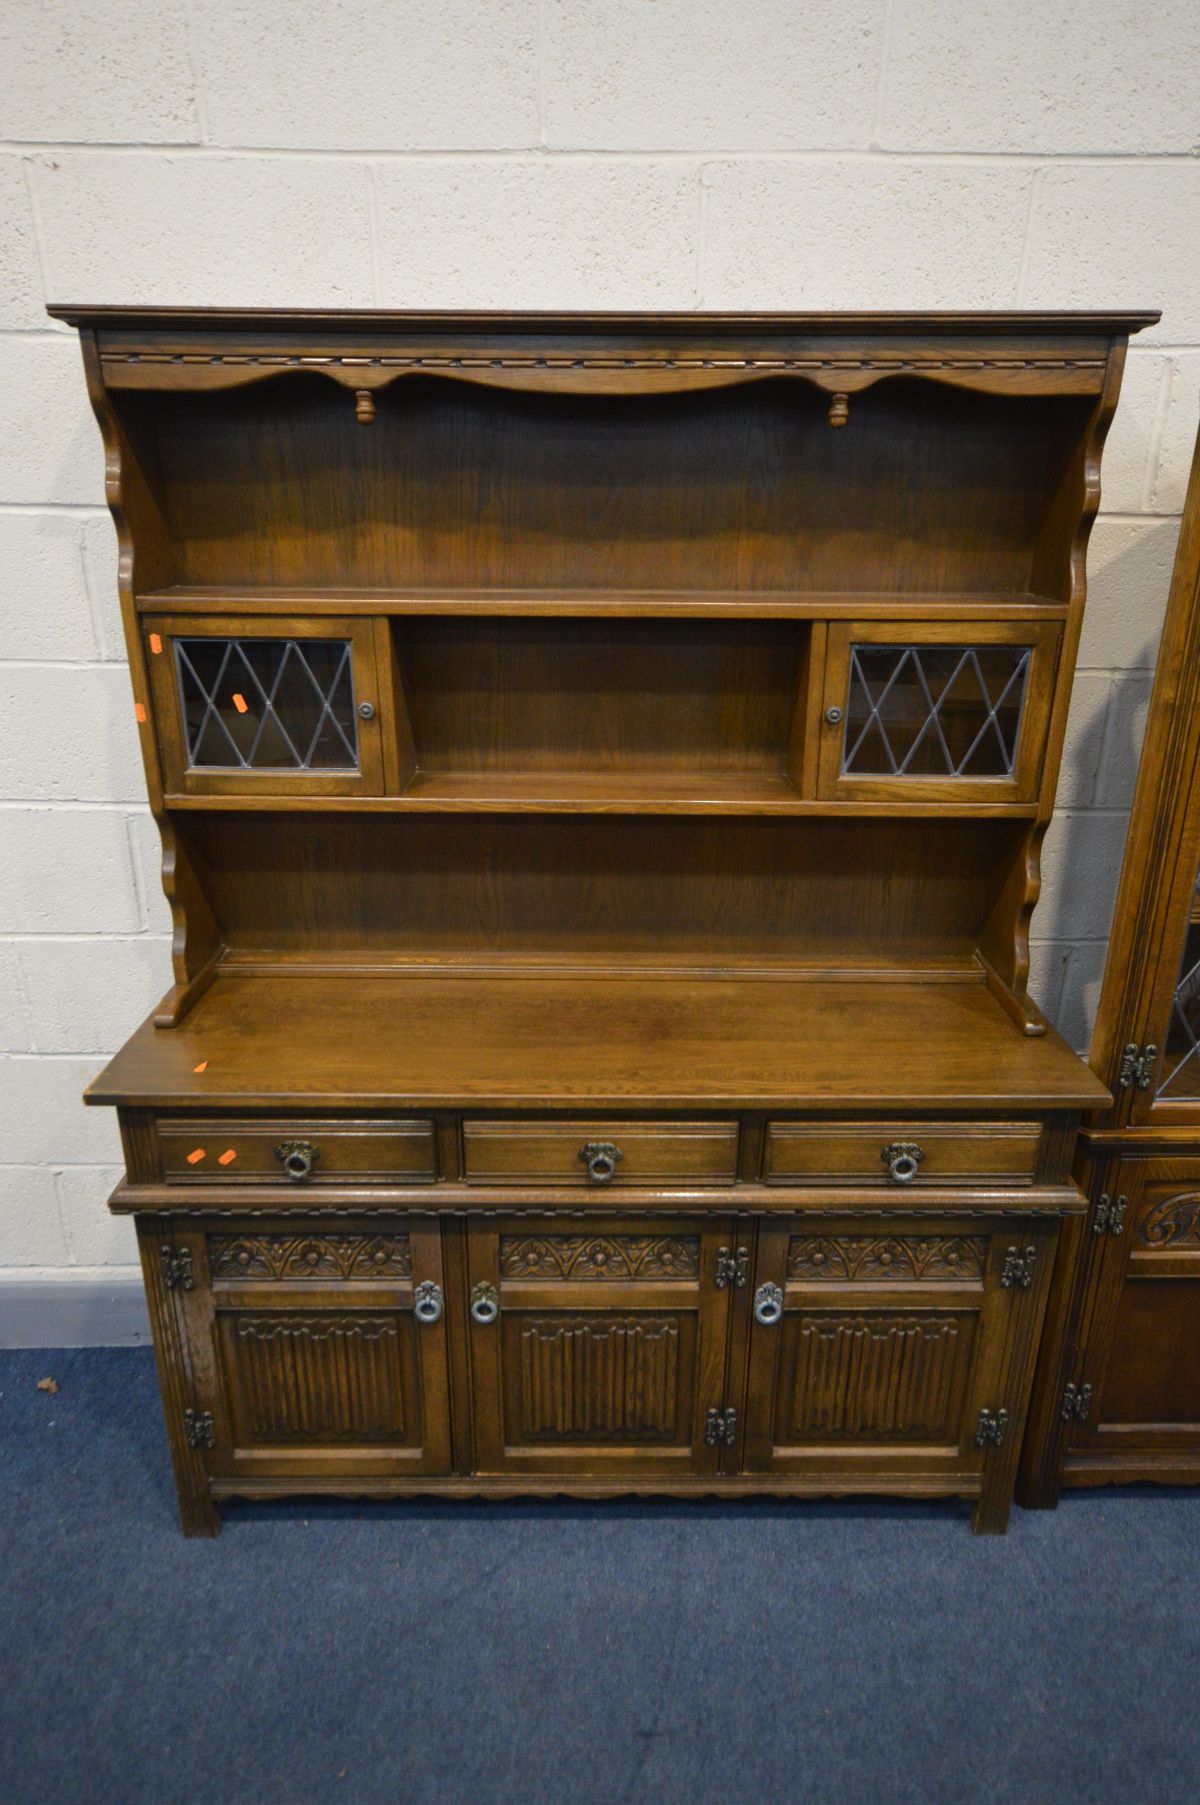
(900, 1154)
(297, 1153)
(600, 1154)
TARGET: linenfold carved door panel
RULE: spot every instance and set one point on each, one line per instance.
(599, 1345)
(890, 1350)
(313, 1347)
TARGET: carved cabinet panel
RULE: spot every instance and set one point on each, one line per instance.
(1134, 1394)
(315, 1348)
(598, 1345)
(893, 1350)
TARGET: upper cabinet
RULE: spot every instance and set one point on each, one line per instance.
(922, 709)
(606, 642)
(265, 708)
(1147, 1040)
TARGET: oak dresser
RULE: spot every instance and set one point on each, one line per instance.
(601, 764)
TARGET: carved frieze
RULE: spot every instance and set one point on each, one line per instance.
(283, 1257)
(599, 1256)
(886, 1258)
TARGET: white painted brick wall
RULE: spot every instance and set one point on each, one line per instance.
(848, 153)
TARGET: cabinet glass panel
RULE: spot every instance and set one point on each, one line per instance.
(1180, 1072)
(934, 711)
(267, 704)
(912, 712)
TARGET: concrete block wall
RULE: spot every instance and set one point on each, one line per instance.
(573, 153)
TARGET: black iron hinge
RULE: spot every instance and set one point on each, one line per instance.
(1137, 1067)
(177, 1268)
(1076, 1403)
(1109, 1214)
(720, 1427)
(1018, 1267)
(732, 1267)
(991, 1428)
(198, 1428)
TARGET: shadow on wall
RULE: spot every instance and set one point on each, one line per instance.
(1085, 847)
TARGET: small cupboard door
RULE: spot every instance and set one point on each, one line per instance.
(876, 1354)
(935, 711)
(598, 1345)
(1135, 1394)
(266, 708)
(319, 1354)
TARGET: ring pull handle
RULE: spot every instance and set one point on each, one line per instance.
(485, 1302)
(768, 1304)
(600, 1158)
(902, 1159)
(297, 1159)
(428, 1302)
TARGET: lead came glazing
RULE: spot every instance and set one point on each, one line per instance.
(934, 711)
(268, 704)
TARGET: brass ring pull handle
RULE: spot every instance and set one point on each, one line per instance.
(428, 1302)
(297, 1158)
(600, 1158)
(768, 1304)
(902, 1159)
(485, 1302)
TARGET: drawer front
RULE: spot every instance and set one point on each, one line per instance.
(600, 1155)
(297, 1153)
(901, 1155)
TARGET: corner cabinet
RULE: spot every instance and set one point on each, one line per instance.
(1119, 1388)
(601, 764)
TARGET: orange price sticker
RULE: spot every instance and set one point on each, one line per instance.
(156, 643)
(228, 1157)
(195, 1156)
(202, 1067)
(239, 702)
(139, 713)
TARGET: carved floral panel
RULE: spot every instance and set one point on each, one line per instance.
(283, 1257)
(887, 1258)
(600, 1256)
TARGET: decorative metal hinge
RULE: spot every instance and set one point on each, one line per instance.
(991, 1428)
(720, 1427)
(177, 1268)
(1137, 1067)
(198, 1428)
(1018, 1267)
(732, 1268)
(1076, 1403)
(1109, 1215)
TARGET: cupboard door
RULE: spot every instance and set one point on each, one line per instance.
(1136, 1395)
(933, 711)
(319, 1354)
(598, 1346)
(890, 1355)
(266, 708)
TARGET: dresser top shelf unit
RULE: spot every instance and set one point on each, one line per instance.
(553, 708)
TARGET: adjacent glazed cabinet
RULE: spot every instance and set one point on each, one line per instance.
(601, 764)
(1119, 1388)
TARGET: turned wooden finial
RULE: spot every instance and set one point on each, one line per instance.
(364, 406)
(839, 410)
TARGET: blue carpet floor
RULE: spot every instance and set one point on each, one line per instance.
(563, 1653)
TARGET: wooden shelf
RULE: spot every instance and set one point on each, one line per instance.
(422, 1041)
(576, 793)
(711, 604)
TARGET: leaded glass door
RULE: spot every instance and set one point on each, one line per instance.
(268, 708)
(922, 711)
